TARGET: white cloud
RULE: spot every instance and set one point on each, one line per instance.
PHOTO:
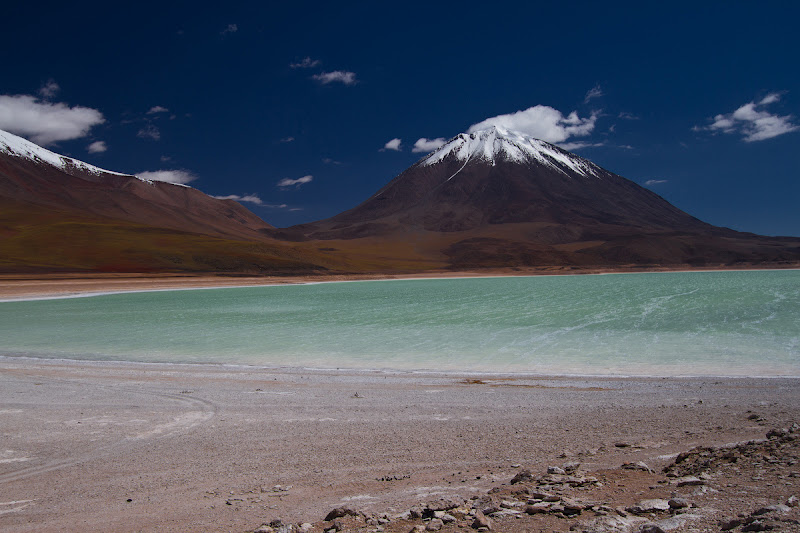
(654, 182)
(179, 177)
(594, 92)
(49, 89)
(428, 145)
(252, 198)
(542, 122)
(394, 144)
(45, 122)
(306, 62)
(771, 98)
(578, 145)
(287, 182)
(627, 116)
(287, 139)
(232, 28)
(97, 147)
(330, 161)
(337, 76)
(149, 132)
(157, 109)
(753, 122)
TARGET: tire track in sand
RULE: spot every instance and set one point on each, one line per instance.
(202, 412)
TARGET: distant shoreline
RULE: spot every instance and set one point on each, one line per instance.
(15, 287)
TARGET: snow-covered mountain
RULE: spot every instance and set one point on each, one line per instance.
(30, 174)
(497, 144)
(502, 198)
(18, 147)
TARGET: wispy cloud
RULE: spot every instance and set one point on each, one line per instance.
(330, 161)
(149, 132)
(542, 122)
(46, 123)
(97, 147)
(157, 109)
(287, 139)
(578, 145)
(753, 122)
(654, 182)
(594, 92)
(337, 76)
(231, 28)
(178, 177)
(49, 89)
(428, 145)
(288, 182)
(394, 145)
(251, 198)
(306, 62)
(627, 116)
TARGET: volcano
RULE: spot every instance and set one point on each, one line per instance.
(496, 197)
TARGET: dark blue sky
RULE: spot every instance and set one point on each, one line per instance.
(698, 100)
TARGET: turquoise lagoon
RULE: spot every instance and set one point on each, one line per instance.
(744, 323)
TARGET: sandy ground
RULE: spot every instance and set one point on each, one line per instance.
(134, 447)
(137, 447)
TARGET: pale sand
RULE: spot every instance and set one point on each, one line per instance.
(24, 286)
(193, 447)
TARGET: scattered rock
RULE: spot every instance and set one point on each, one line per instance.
(651, 528)
(481, 521)
(792, 501)
(622, 444)
(649, 506)
(524, 476)
(757, 525)
(538, 508)
(339, 512)
(434, 525)
(556, 470)
(780, 508)
(678, 503)
(727, 525)
(687, 481)
(637, 466)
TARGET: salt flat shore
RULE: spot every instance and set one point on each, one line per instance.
(150, 447)
(27, 286)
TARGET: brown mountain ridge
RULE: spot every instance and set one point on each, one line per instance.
(486, 199)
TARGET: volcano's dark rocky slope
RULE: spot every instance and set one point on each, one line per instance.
(500, 198)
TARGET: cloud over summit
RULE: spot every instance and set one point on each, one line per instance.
(542, 122)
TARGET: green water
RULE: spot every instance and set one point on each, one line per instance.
(710, 323)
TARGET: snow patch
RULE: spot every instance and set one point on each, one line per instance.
(19, 147)
(498, 144)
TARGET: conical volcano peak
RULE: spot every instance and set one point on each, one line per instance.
(496, 144)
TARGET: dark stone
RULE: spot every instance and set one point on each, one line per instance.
(340, 512)
(525, 476)
(650, 528)
(727, 525)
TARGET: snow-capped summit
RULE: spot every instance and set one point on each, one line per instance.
(499, 144)
(18, 147)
